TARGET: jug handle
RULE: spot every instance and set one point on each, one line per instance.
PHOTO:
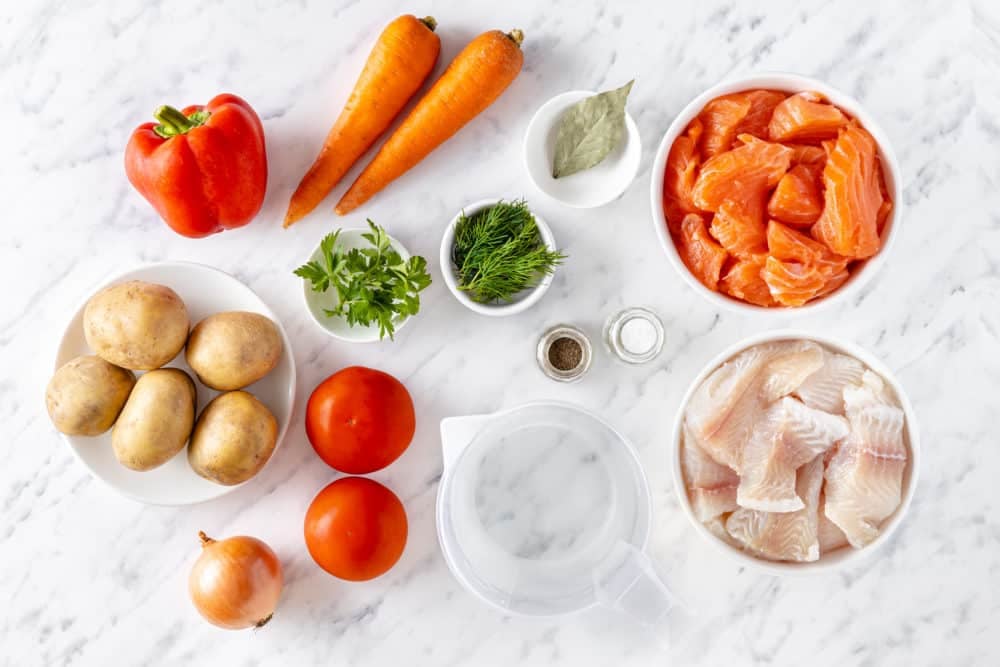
(626, 582)
(457, 434)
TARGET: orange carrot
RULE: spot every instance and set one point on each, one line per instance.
(397, 66)
(476, 77)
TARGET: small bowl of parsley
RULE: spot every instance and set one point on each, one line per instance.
(361, 285)
(498, 258)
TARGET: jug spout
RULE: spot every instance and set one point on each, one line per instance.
(626, 581)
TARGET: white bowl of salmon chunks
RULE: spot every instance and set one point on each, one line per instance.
(794, 452)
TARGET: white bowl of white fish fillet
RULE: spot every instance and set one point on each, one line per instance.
(794, 452)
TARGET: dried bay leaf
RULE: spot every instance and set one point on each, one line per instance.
(589, 130)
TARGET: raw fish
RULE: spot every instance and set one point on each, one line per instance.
(788, 536)
(864, 478)
(789, 436)
(824, 389)
(711, 487)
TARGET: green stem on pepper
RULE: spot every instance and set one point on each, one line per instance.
(173, 122)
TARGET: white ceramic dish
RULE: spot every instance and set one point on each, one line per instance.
(522, 301)
(316, 302)
(791, 83)
(599, 185)
(204, 290)
(841, 558)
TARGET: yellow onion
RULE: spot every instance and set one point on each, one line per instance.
(235, 582)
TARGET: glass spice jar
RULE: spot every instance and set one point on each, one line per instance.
(564, 353)
(635, 335)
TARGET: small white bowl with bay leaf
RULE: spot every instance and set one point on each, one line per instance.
(590, 141)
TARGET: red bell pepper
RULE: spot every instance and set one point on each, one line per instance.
(204, 169)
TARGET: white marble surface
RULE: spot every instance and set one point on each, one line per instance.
(89, 578)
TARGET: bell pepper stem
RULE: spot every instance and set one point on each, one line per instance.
(173, 122)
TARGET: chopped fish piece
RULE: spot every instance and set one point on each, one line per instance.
(789, 436)
(794, 362)
(830, 537)
(711, 487)
(824, 389)
(788, 536)
(864, 478)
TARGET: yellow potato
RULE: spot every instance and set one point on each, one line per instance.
(232, 350)
(233, 439)
(86, 394)
(136, 325)
(156, 421)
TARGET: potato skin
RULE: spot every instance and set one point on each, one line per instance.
(232, 350)
(156, 421)
(86, 395)
(233, 439)
(136, 324)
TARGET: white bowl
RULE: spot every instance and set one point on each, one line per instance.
(599, 185)
(841, 558)
(793, 83)
(316, 302)
(522, 301)
(204, 290)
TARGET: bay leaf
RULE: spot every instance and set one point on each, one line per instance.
(589, 130)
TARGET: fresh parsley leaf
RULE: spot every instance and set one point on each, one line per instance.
(374, 286)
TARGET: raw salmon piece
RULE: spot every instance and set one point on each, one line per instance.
(833, 283)
(740, 173)
(699, 251)
(853, 196)
(786, 244)
(762, 104)
(886, 208)
(792, 283)
(739, 227)
(742, 281)
(721, 117)
(805, 117)
(808, 155)
(797, 199)
(679, 176)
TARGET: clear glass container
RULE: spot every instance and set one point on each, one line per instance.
(635, 335)
(545, 345)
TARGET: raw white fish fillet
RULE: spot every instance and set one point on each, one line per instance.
(824, 389)
(792, 363)
(830, 536)
(864, 478)
(790, 536)
(717, 526)
(722, 411)
(788, 436)
(711, 486)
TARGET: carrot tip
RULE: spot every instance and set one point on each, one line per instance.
(430, 22)
(516, 35)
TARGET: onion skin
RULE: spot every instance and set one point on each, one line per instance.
(236, 582)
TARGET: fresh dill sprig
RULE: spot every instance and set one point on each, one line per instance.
(374, 285)
(498, 252)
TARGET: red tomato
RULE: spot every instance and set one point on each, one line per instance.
(360, 420)
(355, 529)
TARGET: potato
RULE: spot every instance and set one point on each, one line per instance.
(86, 394)
(233, 439)
(156, 421)
(232, 350)
(136, 325)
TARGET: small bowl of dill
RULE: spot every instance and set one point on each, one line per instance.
(498, 258)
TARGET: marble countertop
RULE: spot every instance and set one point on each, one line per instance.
(90, 578)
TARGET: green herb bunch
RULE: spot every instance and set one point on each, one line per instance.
(374, 285)
(499, 252)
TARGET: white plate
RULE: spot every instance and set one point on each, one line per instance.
(317, 302)
(844, 557)
(862, 271)
(602, 183)
(205, 291)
